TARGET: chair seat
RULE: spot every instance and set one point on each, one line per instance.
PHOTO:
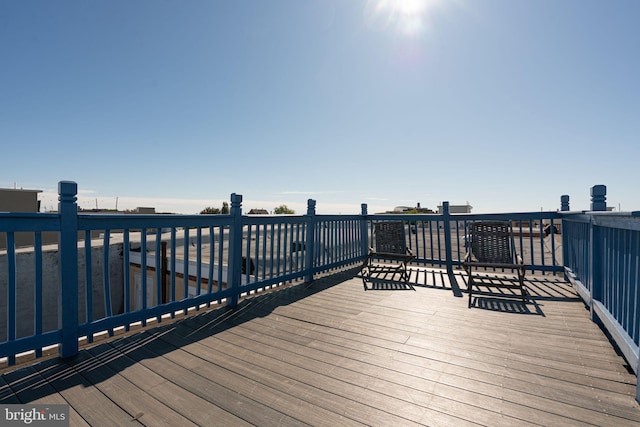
(392, 256)
(494, 265)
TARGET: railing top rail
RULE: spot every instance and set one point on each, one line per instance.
(274, 219)
(506, 216)
(602, 213)
(467, 217)
(149, 221)
(291, 219)
(404, 217)
(21, 221)
(619, 220)
(334, 217)
(27, 215)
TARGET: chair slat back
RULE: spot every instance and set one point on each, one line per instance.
(492, 241)
(390, 237)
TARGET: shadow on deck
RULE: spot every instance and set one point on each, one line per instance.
(332, 353)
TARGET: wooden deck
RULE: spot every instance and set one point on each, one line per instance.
(333, 353)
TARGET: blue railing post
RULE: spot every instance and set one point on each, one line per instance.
(595, 267)
(564, 207)
(447, 237)
(364, 230)
(68, 253)
(310, 240)
(599, 198)
(564, 235)
(234, 268)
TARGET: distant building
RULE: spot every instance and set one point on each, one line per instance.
(145, 211)
(258, 212)
(405, 209)
(13, 200)
(457, 209)
(138, 210)
(400, 209)
(19, 200)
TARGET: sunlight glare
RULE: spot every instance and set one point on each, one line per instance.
(410, 7)
(407, 16)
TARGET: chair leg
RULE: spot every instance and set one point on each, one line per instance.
(522, 288)
(470, 286)
(405, 273)
(366, 265)
(406, 276)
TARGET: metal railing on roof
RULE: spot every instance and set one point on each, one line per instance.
(152, 267)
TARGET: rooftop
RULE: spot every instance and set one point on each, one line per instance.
(334, 353)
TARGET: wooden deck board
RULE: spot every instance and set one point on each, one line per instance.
(383, 388)
(26, 385)
(138, 403)
(192, 407)
(333, 353)
(280, 358)
(312, 392)
(435, 364)
(187, 374)
(462, 384)
(76, 389)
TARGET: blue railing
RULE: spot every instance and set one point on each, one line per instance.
(440, 239)
(602, 260)
(105, 272)
(31, 303)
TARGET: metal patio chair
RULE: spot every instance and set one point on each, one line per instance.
(390, 245)
(490, 246)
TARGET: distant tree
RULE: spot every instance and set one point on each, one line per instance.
(210, 211)
(225, 208)
(283, 209)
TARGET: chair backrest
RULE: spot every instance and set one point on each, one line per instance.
(491, 241)
(390, 237)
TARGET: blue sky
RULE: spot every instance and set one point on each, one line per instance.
(505, 104)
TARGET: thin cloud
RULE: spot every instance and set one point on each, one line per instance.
(310, 193)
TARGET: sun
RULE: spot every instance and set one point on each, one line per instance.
(409, 7)
(407, 16)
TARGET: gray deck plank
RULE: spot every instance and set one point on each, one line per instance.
(333, 353)
(191, 375)
(126, 394)
(89, 401)
(250, 383)
(470, 394)
(192, 407)
(382, 389)
(316, 386)
(459, 373)
(27, 386)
